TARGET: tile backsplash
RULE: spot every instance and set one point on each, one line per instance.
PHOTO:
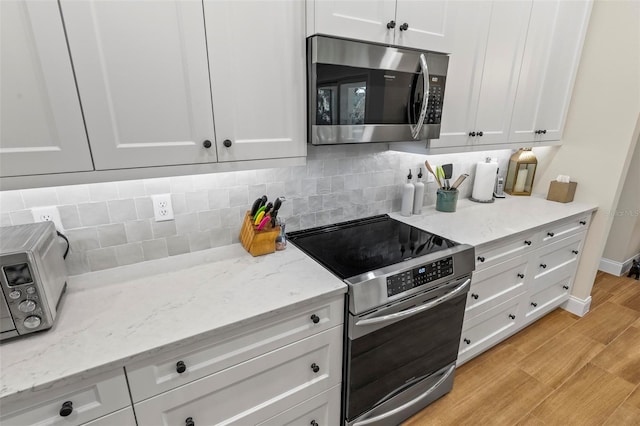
(111, 224)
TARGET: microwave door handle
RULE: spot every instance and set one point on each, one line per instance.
(415, 132)
(413, 311)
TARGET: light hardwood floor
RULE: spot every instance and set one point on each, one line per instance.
(561, 370)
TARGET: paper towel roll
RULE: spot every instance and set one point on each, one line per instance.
(484, 181)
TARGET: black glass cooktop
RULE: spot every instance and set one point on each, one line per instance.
(358, 246)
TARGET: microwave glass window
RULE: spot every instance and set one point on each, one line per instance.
(327, 109)
(18, 274)
(353, 98)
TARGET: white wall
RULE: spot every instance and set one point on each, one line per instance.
(602, 124)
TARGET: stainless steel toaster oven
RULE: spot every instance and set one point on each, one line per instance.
(33, 278)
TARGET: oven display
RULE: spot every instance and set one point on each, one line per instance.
(18, 274)
(420, 276)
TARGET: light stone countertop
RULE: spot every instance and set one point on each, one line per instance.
(481, 223)
(110, 318)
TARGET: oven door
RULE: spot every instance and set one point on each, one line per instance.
(401, 357)
(360, 92)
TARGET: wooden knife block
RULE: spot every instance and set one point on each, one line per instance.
(257, 242)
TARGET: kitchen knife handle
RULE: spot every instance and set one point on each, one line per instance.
(259, 217)
(266, 219)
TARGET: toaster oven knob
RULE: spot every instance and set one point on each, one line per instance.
(32, 322)
(31, 290)
(27, 306)
(15, 294)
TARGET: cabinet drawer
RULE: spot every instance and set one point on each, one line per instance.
(549, 298)
(503, 250)
(323, 409)
(495, 285)
(151, 377)
(559, 255)
(255, 390)
(90, 399)
(489, 328)
(563, 229)
(123, 417)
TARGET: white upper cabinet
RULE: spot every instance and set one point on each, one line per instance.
(551, 56)
(143, 79)
(41, 128)
(484, 66)
(257, 63)
(424, 25)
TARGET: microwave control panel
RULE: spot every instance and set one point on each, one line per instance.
(429, 272)
(435, 99)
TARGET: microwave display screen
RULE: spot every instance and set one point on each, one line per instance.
(17, 274)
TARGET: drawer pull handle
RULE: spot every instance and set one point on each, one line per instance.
(181, 367)
(313, 423)
(467, 341)
(315, 367)
(512, 316)
(520, 275)
(189, 422)
(575, 251)
(566, 287)
(551, 234)
(315, 318)
(583, 222)
(527, 242)
(475, 296)
(67, 408)
(543, 265)
(481, 259)
(534, 304)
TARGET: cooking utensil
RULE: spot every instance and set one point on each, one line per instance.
(459, 181)
(440, 175)
(448, 171)
(428, 166)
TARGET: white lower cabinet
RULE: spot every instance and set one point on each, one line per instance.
(124, 417)
(518, 280)
(323, 409)
(252, 391)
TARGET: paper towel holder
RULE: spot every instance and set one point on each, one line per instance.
(521, 172)
(490, 200)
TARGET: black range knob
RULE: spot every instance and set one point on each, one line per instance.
(189, 422)
(315, 367)
(521, 275)
(543, 265)
(512, 316)
(480, 259)
(475, 296)
(227, 143)
(66, 409)
(180, 367)
(391, 25)
(527, 242)
(207, 144)
(404, 27)
(467, 341)
(315, 318)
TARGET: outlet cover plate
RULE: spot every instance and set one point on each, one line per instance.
(48, 214)
(162, 207)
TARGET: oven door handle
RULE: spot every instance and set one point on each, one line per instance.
(413, 311)
(405, 406)
(415, 132)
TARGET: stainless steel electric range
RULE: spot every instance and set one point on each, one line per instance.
(405, 306)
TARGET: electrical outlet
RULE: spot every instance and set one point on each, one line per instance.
(162, 208)
(48, 214)
(429, 176)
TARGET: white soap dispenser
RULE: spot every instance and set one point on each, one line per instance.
(418, 197)
(407, 196)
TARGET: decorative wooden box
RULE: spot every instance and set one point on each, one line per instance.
(258, 242)
(561, 192)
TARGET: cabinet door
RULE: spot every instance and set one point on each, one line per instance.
(257, 78)
(551, 56)
(359, 20)
(429, 24)
(143, 80)
(41, 128)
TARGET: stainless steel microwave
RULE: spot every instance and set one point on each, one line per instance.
(361, 92)
(33, 277)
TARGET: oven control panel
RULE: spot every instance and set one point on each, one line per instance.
(399, 283)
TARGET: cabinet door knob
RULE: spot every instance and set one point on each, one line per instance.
(527, 242)
(315, 367)
(537, 132)
(480, 133)
(227, 143)
(391, 25)
(472, 134)
(566, 287)
(189, 422)
(313, 423)
(66, 409)
(475, 296)
(583, 222)
(543, 265)
(480, 258)
(551, 234)
(180, 367)
(315, 318)
(544, 132)
(207, 144)
(520, 275)
(404, 27)
(512, 316)
(534, 304)
(575, 251)
(467, 341)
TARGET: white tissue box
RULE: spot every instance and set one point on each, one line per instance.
(561, 192)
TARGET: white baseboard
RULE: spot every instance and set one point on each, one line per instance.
(577, 306)
(616, 268)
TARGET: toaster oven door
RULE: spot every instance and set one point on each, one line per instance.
(7, 327)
